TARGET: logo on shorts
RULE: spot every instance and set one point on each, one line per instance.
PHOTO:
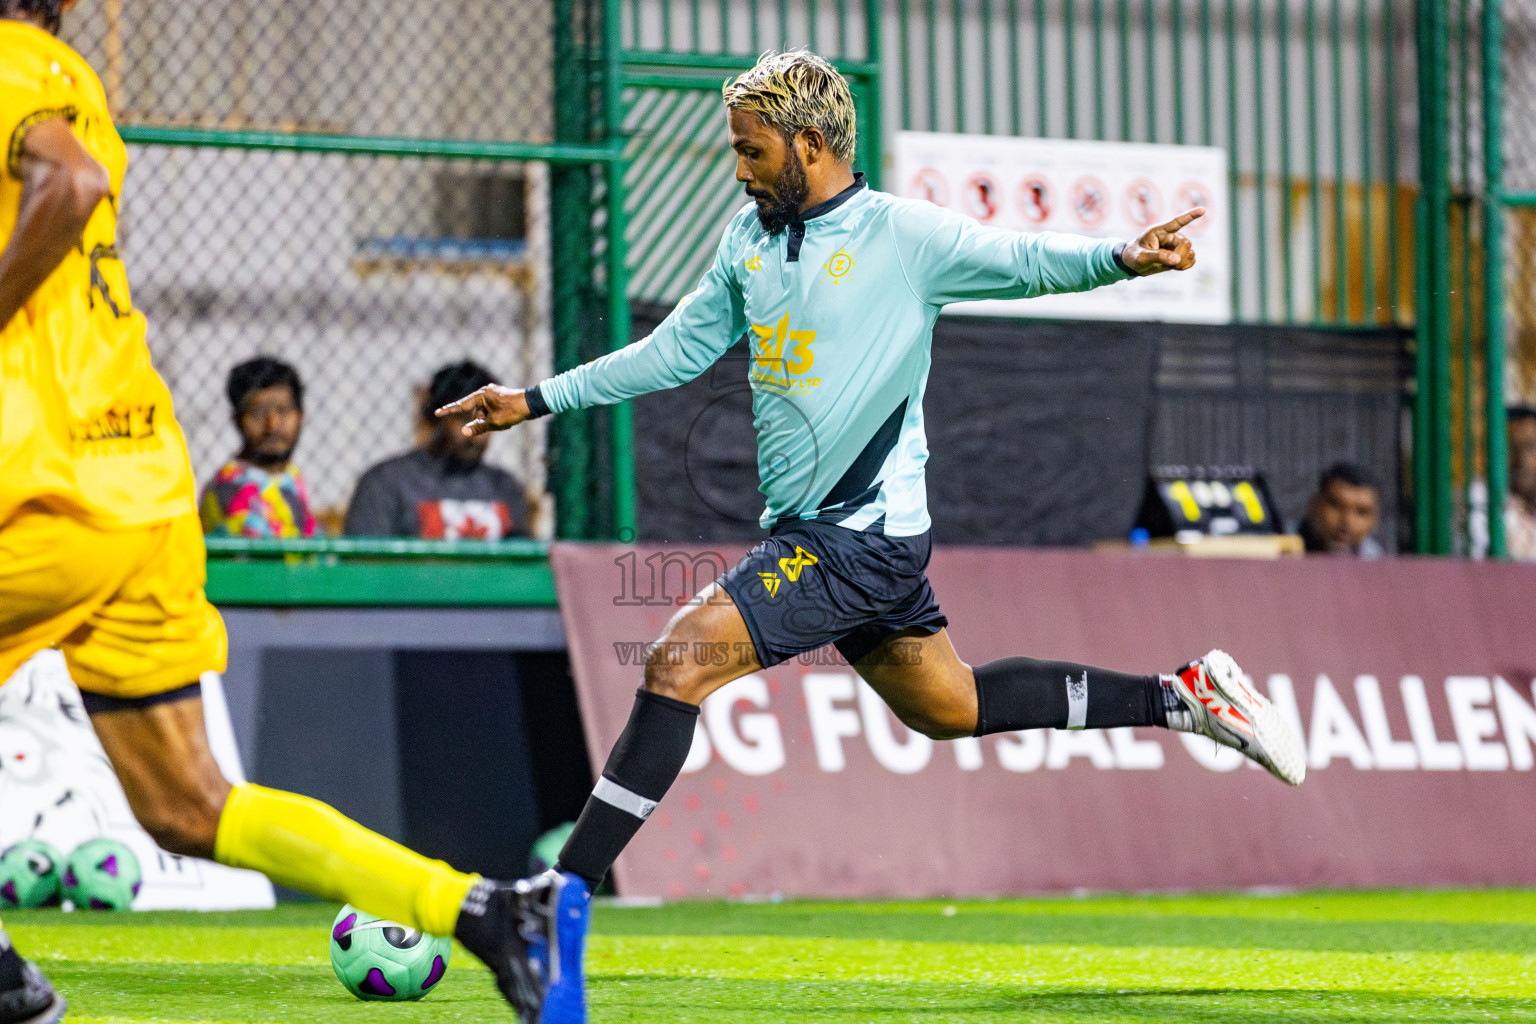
(792, 566)
(771, 583)
(1077, 689)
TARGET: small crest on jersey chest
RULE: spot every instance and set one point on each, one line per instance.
(839, 266)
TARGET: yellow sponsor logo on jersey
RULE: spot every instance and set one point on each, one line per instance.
(122, 423)
(839, 265)
(754, 262)
(793, 566)
(771, 583)
(768, 349)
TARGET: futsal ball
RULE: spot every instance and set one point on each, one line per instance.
(29, 875)
(546, 849)
(102, 874)
(378, 959)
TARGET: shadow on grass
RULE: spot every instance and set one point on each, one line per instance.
(237, 994)
(978, 925)
(655, 998)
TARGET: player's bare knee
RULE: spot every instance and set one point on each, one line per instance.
(187, 827)
(679, 681)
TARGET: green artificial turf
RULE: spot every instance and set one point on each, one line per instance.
(1341, 958)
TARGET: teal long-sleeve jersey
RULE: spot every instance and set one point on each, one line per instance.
(838, 310)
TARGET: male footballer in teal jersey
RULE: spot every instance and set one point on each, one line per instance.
(837, 287)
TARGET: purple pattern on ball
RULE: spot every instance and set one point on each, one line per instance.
(109, 866)
(69, 877)
(97, 904)
(375, 985)
(438, 970)
(343, 927)
(8, 892)
(52, 901)
(136, 887)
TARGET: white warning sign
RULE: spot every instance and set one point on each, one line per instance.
(1103, 189)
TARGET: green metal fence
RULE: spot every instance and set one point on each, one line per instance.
(301, 174)
(1311, 99)
(1480, 40)
(679, 170)
(1475, 317)
(370, 189)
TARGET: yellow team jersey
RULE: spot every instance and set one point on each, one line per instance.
(86, 424)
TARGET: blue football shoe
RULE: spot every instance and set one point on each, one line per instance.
(566, 1001)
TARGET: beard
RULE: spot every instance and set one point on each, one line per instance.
(269, 456)
(778, 209)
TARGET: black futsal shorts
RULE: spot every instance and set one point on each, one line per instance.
(811, 584)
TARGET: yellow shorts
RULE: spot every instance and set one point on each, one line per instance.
(125, 606)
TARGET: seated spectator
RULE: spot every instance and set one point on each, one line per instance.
(259, 493)
(1520, 509)
(1343, 514)
(443, 489)
(1520, 505)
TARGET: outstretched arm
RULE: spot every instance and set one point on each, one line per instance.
(61, 186)
(948, 258)
(688, 341)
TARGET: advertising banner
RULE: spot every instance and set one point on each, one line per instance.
(1103, 189)
(1411, 682)
(56, 785)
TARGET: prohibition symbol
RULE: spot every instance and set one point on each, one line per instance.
(1190, 195)
(1090, 201)
(1036, 199)
(929, 184)
(1144, 203)
(983, 196)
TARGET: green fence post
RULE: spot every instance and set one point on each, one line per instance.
(1367, 233)
(875, 137)
(621, 416)
(570, 200)
(1389, 71)
(1340, 181)
(1462, 202)
(1493, 272)
(1432, 400)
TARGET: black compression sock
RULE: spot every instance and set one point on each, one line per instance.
(1022, 693)
(642, 767)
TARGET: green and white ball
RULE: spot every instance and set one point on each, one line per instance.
(379, 959)
(102, 874)
(29, 875)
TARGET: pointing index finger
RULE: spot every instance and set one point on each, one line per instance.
(1185, 218)
(465, 404)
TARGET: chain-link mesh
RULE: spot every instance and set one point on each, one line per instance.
(475, 69)
(365, 272)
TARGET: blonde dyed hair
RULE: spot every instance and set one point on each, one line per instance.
(798, 90)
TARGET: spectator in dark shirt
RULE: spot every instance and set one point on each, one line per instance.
(1343, 514)
(443, 490)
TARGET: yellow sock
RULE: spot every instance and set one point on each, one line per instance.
(306, 845)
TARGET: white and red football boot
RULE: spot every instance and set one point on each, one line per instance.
(1220, 703)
